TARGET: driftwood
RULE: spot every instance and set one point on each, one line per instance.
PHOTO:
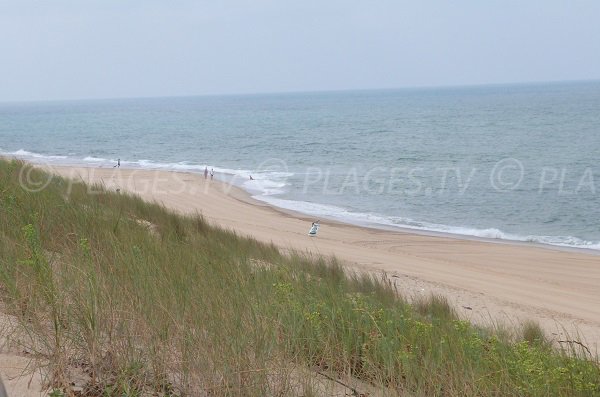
(355, 393)
(576, 342)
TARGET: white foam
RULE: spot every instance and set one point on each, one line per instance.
(265, 187)
(92, 159)
(370, 219)
(26, 154)
(264, 182)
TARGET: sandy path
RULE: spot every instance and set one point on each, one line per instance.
(18, 381)
(486, 280)
(15, 367)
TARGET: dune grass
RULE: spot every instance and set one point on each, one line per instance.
(142, 301)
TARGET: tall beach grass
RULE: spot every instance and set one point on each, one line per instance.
(136, 300)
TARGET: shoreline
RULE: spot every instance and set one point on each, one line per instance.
(233, 179)
(401, 228)
(488, 281)
(420, 232)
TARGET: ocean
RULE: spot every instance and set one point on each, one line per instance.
(512, 162)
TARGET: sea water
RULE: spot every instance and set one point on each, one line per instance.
(514, 162)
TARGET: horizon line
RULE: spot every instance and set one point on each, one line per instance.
(249, 94)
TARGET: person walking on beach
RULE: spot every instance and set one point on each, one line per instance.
(118, 165)
(205, 172)
(212, 173)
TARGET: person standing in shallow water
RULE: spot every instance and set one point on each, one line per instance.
(212, 173)
(205, 172)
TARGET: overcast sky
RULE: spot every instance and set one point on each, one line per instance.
(61, 49)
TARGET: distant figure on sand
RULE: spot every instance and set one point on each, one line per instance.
(205, 172)
(118, 165)
(212, 173)
(251, 178)
(314, 229)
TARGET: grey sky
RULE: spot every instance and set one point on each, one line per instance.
(60, 49)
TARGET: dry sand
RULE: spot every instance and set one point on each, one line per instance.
(488, 282)
(17, 370)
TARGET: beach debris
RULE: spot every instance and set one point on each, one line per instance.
(151, 227)
(467, 307)
(355, 393)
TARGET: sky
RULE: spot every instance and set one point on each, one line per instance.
(61, 49)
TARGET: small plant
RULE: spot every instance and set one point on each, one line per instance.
(533, 334)
(56, 393)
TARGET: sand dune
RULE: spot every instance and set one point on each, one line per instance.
(486, 280)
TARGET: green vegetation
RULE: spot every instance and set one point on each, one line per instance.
(145, 302)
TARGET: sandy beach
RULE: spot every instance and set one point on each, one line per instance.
(487, 281)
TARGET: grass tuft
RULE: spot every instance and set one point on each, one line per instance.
(532, 333)
(435, 307)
